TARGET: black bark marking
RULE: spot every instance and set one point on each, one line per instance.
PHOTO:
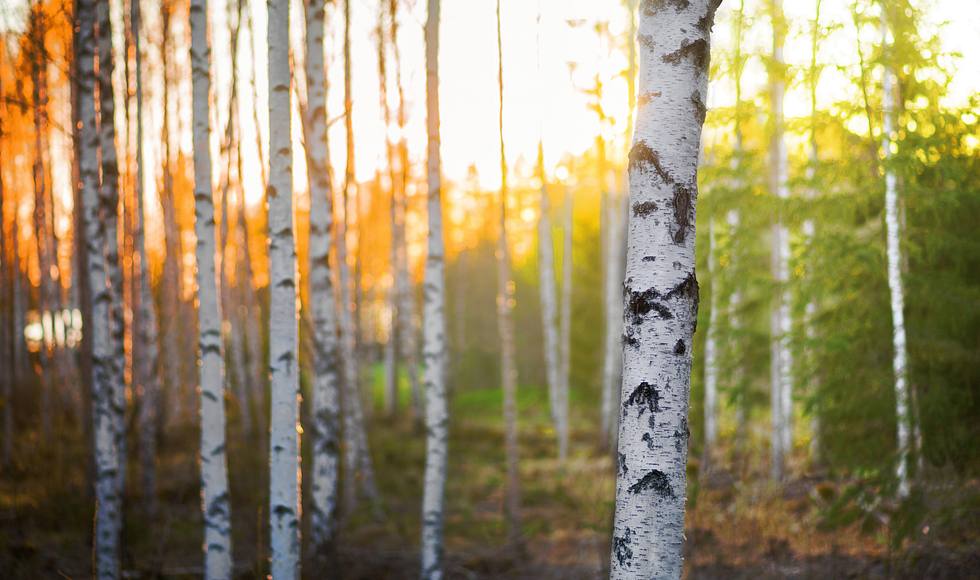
(646, 41)
(648, 439)
(629, 338)
(679, 348)
(644, 209)
(641, 157)
(646, 397)
(624, 555)
(639, 304)
(683, 203)
(697, 51)
(700, 110)
(649, 258)
(623, 470)
(707, 22)
(651, 7)
(657, 481)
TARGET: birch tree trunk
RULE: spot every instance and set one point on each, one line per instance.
(108, 516)
(358, 456)
(546, 271)
(7, 331)
(661, 289)
(326, 400)
(109, 195)
(505, 325)
(895, 287)
(403, 283)
(434, 351)
(809, 231)
(43, 234)
(390, 351)
(216, 504)
(565, 308)
(612, 347)
(170, 296)
(284, 501)
(781, 387)
(711, 353)
(149, 380)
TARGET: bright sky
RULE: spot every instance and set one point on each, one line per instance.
(542, 98)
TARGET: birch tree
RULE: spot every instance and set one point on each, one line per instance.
(505, 323)
(403, 282)
(781, 361)
(358, 456)
(549, 322)
(660, 289)
(326, 407)
(149, 381)
(897, 293)
(43, 219)
(434, 316)
(284, 500)
(108, 516)
(549, 295)
(711, 351)
(216, 504)
(8, 333)
(109, 196)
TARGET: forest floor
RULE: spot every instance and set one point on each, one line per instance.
(738, 526)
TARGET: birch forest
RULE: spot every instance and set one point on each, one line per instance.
(439, 289)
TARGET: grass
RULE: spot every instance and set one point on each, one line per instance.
(739, 525)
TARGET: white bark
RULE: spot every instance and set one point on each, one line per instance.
(612, 304)
(215, 499)
(660, 289)
(434, 322)
(403, 283)
(711, 351)
(894, 250)
(284, 500)
(549, 321)
(781, 383)
(358, 456)
(149, 381)
(108, 516)
(109, 192)
(505, 324)
(565, 308)
(326, 400)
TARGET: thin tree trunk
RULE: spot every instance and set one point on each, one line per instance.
(8, 332)
(781, 386)
(108, 510)
(612, 306)
(434, 351)
(546, 271)
(505, 325)
(170, 294)
(47, 295)
(565, 308)
(216, 502)
(895, 287)
(110, 199)
(809, 231)
(284, 500)
(149, 380)
(661, 290)
(358, 457)
(326, 397)
(391, 355)
(711, 353)
(403, 283)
